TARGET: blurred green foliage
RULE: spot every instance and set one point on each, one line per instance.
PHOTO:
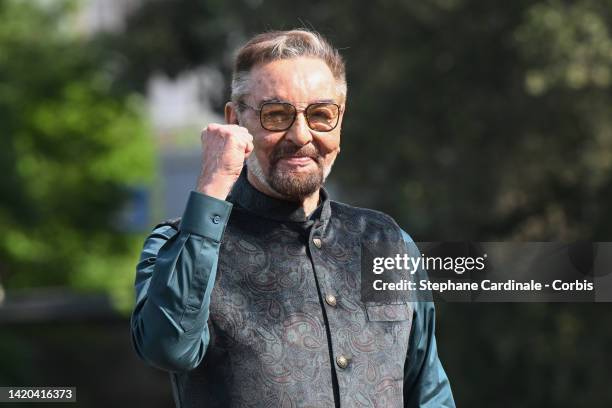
(72, 147)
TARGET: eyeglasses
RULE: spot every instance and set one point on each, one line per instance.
(279, 116)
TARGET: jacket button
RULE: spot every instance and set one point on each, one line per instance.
(342, 361)
(331, 300)
(216, 219)
(317, 242)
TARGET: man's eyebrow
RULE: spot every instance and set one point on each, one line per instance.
(276, 99)
(270, 100)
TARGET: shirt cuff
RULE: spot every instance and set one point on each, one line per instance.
(206, 216)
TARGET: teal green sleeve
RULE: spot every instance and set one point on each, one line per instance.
(425, 382)
(174, 281)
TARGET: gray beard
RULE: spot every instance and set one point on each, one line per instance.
(289, 185)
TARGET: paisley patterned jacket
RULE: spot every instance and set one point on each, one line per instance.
(250, 303)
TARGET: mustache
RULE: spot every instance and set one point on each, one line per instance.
(290, 150)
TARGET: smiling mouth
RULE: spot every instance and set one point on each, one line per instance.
(298, 160)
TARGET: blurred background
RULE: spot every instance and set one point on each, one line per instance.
(466, 120)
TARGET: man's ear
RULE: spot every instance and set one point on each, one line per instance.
(231, 116)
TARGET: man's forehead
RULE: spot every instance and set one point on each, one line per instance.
(299, 80)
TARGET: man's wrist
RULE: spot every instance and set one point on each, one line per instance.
(218, 188)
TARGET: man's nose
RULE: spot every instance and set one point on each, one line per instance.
(299, 133)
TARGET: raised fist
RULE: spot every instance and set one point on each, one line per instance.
(224, 150)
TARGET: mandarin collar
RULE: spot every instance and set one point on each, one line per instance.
(244, 195)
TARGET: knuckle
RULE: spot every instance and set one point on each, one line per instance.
(229, 134)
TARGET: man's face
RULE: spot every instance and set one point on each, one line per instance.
(294, 162)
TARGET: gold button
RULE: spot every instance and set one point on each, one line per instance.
(342, 361)
(317, 242)
(331, 300)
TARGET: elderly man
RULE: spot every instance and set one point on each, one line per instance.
(253, 298)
